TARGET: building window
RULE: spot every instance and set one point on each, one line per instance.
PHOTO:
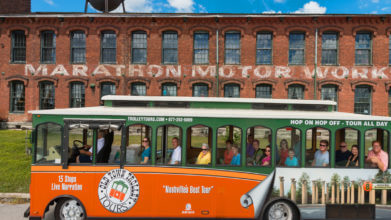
(232, 90)
(138, 89)
(48, 47)
(232, 48)
(264, 48)
(46, 95)
(263, 91)
(200, 90)
(330, 49)
(169, 89)
(170, 47)
(108, 47)
(296, 92)
(17, 97)
(107, 88)
(362, 100)
(201, 48)
(296, 48)
(18, 47)
(363, 49)
(78, 47)
(330, 92)
(77, 96)
(139, 47)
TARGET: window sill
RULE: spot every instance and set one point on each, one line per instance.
(17, 113)
(19, 62)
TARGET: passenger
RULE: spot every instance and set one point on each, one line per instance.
(228, 153)
(204, 156)
(267, 159)
(176, 155)
(321, 157)
(146, 154)
(283, 151)
(296, 145)
(236, 158)
(86, 153)
(258, 153)
(342, 155)
(291, 161)
(250, 150)
(353, 159)
(377, 157)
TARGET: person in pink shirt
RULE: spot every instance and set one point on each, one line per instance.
(377, 157)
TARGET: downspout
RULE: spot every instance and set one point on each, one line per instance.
(316, 61)
(217, 64)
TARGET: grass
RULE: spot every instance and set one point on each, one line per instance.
(14, 162)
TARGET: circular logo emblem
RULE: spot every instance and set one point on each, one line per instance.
(367, 186)
(118, 190)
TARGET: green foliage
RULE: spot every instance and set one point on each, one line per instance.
(335, 178)
(346, 181)
(383, 177)
(14, 162)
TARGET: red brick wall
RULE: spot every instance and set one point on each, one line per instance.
(278, 25)
(15, 6)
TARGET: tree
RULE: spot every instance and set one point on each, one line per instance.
(346, 181)
(335, 178)
(383, 177)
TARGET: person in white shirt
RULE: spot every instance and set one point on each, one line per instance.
(176, 155)
(86, 154)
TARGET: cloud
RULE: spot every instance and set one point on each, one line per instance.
(202, 9)
(311, 8)
(279, 1)
(50, 2)
(271, 12)
(182, 5)
(136, 6)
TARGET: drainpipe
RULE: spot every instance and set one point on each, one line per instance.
(217, 64)
(316, 61)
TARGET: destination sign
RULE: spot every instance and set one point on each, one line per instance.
(340, 123)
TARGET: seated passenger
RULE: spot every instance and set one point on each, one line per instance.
(321, 158)
(267, 159)
(353, 159)
(250, 149)
(258, 153)
(291, 160)
(236, 158)
(228, 153)
(204, 156)
(377, 157)
(283, 151)
(146, 154)
(342, 155)
(176, 155)
(86, 153)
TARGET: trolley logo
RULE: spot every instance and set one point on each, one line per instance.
(188, 209)
(118, 190)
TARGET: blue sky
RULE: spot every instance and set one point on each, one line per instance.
(229, 6)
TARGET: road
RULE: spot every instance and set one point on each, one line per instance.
(15, 212)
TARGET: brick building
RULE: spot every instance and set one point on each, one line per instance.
(61, 60)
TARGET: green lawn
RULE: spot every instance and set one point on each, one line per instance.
(14, 163)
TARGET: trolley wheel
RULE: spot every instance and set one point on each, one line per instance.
(69, 209)
(281, 209)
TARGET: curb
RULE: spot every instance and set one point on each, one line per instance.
(15, 195)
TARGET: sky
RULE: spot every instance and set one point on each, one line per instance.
(228, 6)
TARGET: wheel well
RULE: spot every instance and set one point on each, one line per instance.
(293, 204)
(58, 198)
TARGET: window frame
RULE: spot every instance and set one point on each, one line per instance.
(336, 93)
(53, 47)
(43, 83)
(132, 48)
(13, 108)
(135, 84)
(231, 84)
(257, 49)
(169, 84)
(266, 85)
(289, 48)
(164, 48)
(370, 61)
(73, 47)
(194, 48)
(15, 33)
(370, 98)
(237, 49)
(102, 84)
(327, 49)
(102, 48)
(82, 101)
(200, 84)
(296, 85)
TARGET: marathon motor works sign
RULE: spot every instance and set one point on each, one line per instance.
(225, 71)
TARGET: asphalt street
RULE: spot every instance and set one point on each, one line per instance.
(15, 212)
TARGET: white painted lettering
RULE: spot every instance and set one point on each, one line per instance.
(28, 68)
(263, 74)
(379, 74)
(222, 71)
(136, 70)
(283, 71)
(211, 70)
(363, 74)
(245, 70)
(118, 69)
(173, 71)
(340, 72)
(79, 70)
(60, 70)
(155, 70)
(101, 69)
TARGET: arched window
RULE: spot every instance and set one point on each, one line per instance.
(232, 90)
(139, 47)
(77, 95)
(199, 145)
(17, 97)
(107, 88)
(168, 145)
(363, 99)
(46, 95)
(295, 91)
(169, 89)
(229, 146)
(288, 151)
(108, 47)
(330, 92)
(259, 146)
(18, 47)
(200, 90)
(376, 142)
(318, 147)
(263, 91)
(347, 148)
(138, 89)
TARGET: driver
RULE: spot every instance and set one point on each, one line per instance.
(86, 153)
